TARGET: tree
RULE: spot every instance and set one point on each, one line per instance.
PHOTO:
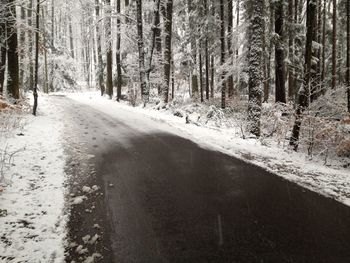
(12, 52)
(279, 53)
(143, 84)
(168, 23)
(109, 83)
(255, 39)
(2, 53)
(223, 54)
(100, 67)
(229, 44)
(35, 91)
(118, 57)
(334, 46)
(304, 91)
(347, 77)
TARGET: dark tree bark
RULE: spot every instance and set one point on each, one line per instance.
(201, 71)
(255, 39)
(168, 27)
(71, 41)
(334, 46)
(156, 42)
(109, 83)
(206, 52)
(304, 92)
(100, 70)
(348, 51)
(30, 41)
(323, 70)
(291, 73)
(143, 84)
(229, 45)
(2, 55)
(223, 53)
(118, 55)
(35, 91)
(193, 42)
(52, 23)
(279, 53)
(12, 53)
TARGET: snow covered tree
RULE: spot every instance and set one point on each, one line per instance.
(255, 9)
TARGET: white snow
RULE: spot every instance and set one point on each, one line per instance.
(33, 226)
(332, 181)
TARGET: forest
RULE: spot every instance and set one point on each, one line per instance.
(236, 55)
(175, 131)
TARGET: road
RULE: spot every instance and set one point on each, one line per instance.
(166, 199)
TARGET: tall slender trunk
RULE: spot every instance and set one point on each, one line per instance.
(206, 47)
(229, 45)
(143, 84)
(201, 71)
(52, 23)
(71, 40)
(304, 92)
(118, 55)
(35, 91)
(156, 42)
(168, 28)
(12, 53)
(348, 51)
(255, 38)
(2, 55)
(99, 50)
(323, 70)
(223, 55)
(279, 53)
(291, 73)
(109, 83)
(30, 43)
(193, 43)
(334, 46)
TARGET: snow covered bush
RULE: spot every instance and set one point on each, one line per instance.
(63, 73)
(326, 126)
(11, 120)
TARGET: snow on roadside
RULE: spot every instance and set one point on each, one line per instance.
(32, 219)
(331, 181)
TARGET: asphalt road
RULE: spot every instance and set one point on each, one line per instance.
(166, 199)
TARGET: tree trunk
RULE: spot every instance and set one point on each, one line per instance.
(291, 73)
(255, 38)
(30, 43)
(193, 42)
(12, 54)
(2, 55)
(348, 51)
(71, 43)
(279, 53)
(109, 83)
(168, 27)
(156, 41)
(201, 72)
(229, 45)
(223, 57)
(143, 84)
(334, 46)
(35, 91)
(304, 92)
(100, 71)
(206, 52)
(118, 55)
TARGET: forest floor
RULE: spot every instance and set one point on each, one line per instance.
(32, 216)
(331, 180)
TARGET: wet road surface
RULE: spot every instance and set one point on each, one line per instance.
(168, 200)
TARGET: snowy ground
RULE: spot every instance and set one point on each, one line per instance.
(332, 181)
(32, 215)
